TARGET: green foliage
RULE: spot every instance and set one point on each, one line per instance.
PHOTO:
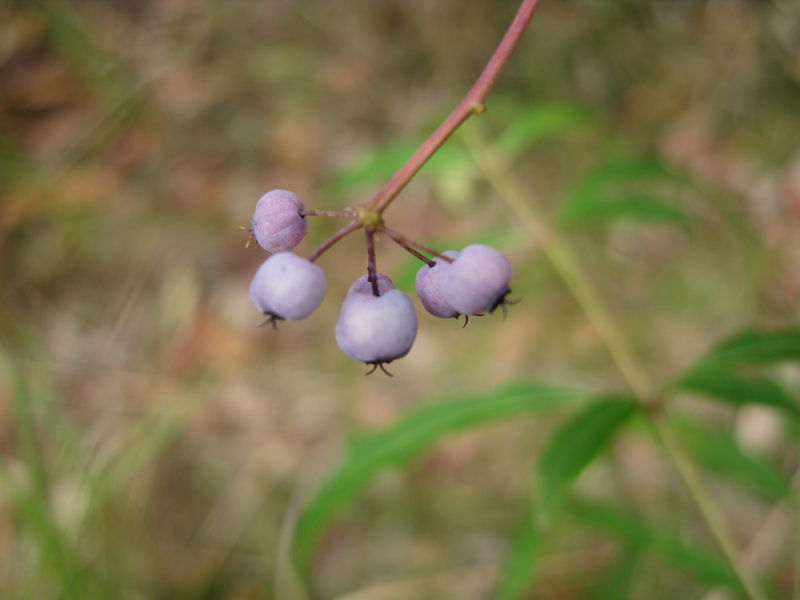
(530, 125)
(619, 189)
(755, 347)
(33, 500)
(374, 452)
(617, 583)
(719, 452)
(721, 373)
(721, 383)
(568, 452)
(690, 557)
(520, 560)
(576, 444)
(537, 122)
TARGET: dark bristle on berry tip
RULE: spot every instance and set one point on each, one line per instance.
(378, 365)
(272, 319)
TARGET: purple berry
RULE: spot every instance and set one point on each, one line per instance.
(362, 285)
(376, 329)
(477, 280)
(277, 223)
(287, 286)
(430, 291)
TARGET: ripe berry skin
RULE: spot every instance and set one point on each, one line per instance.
(477, 280)
(362, 285)
(429, 288)
(277, 224)
(376, 329)
(287, 286)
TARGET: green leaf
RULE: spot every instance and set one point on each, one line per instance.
(724, 384)
(588, 209)
(375, 168)
(413, 433)
(540, 122)
(371, 167)
(622, 171)
(617, 583)
(719, 452)
(754, 347)
(515, 574)
(576, 444)
(689, 557)
(622, 189)
(573, 446)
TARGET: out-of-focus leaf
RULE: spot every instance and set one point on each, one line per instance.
(576, 444)
(520, 561)
(589, 209)
(34, 500)
(376, 168)
(617, 583)
(416, 431)
(372, 167)
(573, 446)
(718, 451)
(754, 347)
(621, 171)
(14, 165)
(723, 384)
(622, 189)
(539, 122)
(689, 557)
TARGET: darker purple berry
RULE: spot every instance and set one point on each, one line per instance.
(477, 281)
(376, 329)
(429, 288)
(287, 286)
(277, 222)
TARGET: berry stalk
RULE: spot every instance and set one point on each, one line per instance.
(334, 214)
(342, 233)
(406, 241)
(411, 251)
(372, 271)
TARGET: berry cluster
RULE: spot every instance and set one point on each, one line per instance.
(377, 323)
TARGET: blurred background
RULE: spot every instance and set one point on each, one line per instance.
(156, 443)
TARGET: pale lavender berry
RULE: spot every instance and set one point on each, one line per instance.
(429, 288)
(376, 329)
(477, 280)
(277, 222)
(363, 285)
(287, 286)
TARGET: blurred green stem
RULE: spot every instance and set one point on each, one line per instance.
(499, 174)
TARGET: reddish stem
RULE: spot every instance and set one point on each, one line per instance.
(471, 104)
(408, 248)
(372, 271)
(407, 241)
(336, 214)
(343, 232)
